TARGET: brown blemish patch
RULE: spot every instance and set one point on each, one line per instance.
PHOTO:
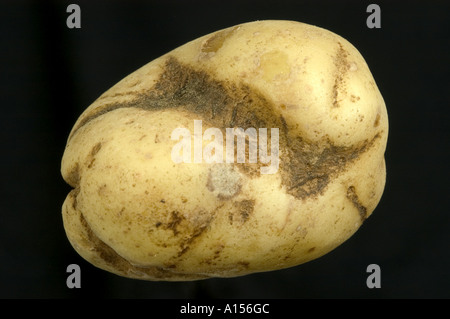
(186, 230)
(342, 66)
(187, 242)
(353, 197)
(311, 165)
(105, 252)
(218, 251)
(175, 220)
(96, 148)
(73, 178)
(215, 42)
(102, 190)
(122, 266)
(91, 157)
(377, 121)
(120, 213)
(306, 167)
(354, 98)
(303, 231)
(74, 194)
(212, 260)
(244, 210)
(244, 264)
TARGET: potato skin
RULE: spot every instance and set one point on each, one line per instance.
(136, 213)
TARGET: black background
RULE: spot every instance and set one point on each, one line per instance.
(50, 74)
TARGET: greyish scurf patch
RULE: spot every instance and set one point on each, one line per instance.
(305, 167)
(342, 66)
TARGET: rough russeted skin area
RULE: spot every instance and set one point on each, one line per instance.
(137, 214)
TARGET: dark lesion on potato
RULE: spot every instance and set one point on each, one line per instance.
(175, 220)
(91, 157)
(341, 65)
(186, 232)
(353, 197)
(243, 212)
(105, 252)
(311, 166)
(74, 194)
(188, 241)
(214, 43)
(377, 121)
(123, 266)
(306, 167)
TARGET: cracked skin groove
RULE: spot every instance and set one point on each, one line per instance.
(307, 167)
